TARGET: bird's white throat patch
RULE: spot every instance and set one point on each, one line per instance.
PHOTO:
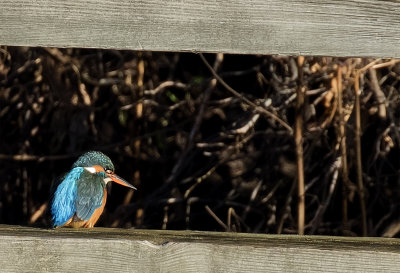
(107, 179)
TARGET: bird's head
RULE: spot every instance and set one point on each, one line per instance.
(100, 164)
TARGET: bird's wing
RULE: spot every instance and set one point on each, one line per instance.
(90, 191)
(63, 202)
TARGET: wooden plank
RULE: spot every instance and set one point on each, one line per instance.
(300, 27)
(115, 250)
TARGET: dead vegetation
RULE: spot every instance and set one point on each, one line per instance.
(212, 143)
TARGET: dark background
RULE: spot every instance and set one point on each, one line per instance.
(201, 157)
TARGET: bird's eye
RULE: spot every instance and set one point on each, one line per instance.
(108, 170)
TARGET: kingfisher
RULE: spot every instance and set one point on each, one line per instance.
(79, 199)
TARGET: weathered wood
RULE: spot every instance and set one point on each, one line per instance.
(301, 27)
(116, 250)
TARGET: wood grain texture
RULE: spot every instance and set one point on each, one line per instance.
(300, 27)
(116, 250)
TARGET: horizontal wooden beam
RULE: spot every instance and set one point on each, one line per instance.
(25, 249)
(299, 27)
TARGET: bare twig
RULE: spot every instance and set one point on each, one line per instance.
(213, 215)
(165, 218)
(272, 192)
(243, 98)
(21, 70)
(299, 147)
(253, 196)
(379, 95)
(343, 149)
(136, 144)
(392, 230)
(228, 151)
(240, 222)
(386, 64)
(250, 124)
(229, 219)
(201, 179)
(164, 85)
(189, 202)
(176, 169)
(38, 213)
(199, 118)
(357, 140)
(368, 66)
(322, 208)
(286, 208)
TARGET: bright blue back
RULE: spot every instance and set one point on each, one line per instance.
(63, 206)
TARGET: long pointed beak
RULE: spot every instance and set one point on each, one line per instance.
(121, 181)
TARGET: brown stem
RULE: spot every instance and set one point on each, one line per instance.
(299, 147)
(379, 95)
(357, 140)
(343, 150)
(258, 108)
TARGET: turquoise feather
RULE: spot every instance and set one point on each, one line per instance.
(63, 206)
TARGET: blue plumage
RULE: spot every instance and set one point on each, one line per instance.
(63, 206)
(80, 194)
(90, 194)
(80, 197)
(94, 158)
